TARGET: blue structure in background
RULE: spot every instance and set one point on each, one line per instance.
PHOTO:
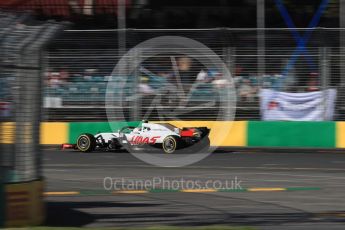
(301, 41)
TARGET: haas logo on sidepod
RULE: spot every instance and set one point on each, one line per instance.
(141, 140)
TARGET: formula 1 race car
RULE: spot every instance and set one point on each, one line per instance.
(158, 135)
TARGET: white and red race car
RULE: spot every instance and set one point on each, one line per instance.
(158, 135)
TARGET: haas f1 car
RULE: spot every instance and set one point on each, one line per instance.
(165, 136)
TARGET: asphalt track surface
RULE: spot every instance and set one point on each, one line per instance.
(292, 190)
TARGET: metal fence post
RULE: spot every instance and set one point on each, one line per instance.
(27, 119)
(136, 107)
(20, 170)
(229, 59)
(342, 42)
(324, 81)
(261, 41)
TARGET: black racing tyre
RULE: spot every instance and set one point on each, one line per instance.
(86, 142)
(170, 144)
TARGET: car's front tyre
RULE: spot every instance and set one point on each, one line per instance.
(86, 142)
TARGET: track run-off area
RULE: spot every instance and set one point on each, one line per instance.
(265, 190)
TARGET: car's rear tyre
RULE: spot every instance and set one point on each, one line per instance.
(86, 142)
(170, 144)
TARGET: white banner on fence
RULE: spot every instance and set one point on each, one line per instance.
(312, 106)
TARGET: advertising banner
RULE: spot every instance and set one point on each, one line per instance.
(310, 106)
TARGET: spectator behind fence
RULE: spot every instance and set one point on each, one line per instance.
(143, 87)
(246, 91)
(202, 76)
(88, 73)
(218, 80)
(184, 67)
(64, 75)
(54, 80)
(313, 82)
